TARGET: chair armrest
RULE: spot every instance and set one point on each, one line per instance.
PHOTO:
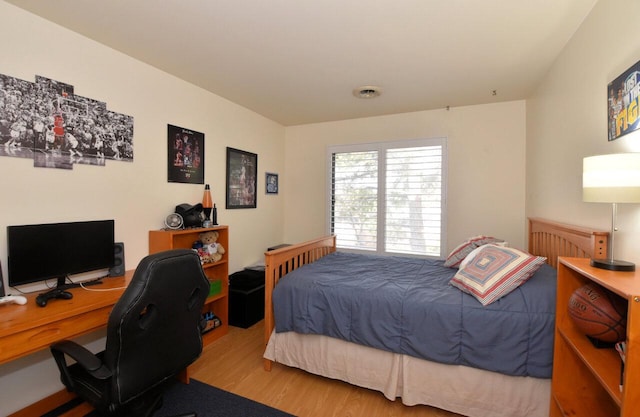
(85, 358)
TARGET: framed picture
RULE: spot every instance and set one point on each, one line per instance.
(271, 183)
(242, 170)
(185, 155)
(622, 103)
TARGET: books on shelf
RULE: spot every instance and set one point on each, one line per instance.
(621, 347)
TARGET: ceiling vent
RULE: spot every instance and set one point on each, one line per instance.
(367, 91)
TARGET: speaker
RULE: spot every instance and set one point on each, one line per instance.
(118, 260)
(2, 294)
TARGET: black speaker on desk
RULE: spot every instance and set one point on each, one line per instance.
(2, 294)
(117, 270)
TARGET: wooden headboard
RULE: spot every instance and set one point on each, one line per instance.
(552, 239)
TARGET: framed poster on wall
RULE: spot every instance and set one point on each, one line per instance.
(185, 155)
(242, 177)
(622, 103)
(271, 183)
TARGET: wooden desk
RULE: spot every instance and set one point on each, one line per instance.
(25, 329)
(28, 328)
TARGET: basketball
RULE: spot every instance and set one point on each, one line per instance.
(599, 313)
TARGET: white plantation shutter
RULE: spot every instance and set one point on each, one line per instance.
(414, 200)
(355, 199)
(389, 197)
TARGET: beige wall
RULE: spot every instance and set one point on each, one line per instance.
(567, 120)
(486, 169)
(137, 195)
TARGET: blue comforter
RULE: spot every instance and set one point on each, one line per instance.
(407, 306)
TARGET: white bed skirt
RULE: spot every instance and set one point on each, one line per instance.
(460, 389)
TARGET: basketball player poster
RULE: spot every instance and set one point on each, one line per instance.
(185, 159)
(47, 122)
(622, 103)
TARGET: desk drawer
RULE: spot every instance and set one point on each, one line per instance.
(32, 340)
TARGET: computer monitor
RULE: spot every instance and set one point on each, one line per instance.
(40, 252)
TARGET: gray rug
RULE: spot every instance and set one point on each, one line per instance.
(210, 401)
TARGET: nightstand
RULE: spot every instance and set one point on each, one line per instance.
(586, 380)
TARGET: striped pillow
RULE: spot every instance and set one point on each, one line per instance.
(462, 250)
(495, 271)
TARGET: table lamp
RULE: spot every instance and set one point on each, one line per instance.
(207, 205)
(613, 178)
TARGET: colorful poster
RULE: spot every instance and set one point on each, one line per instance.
(185, 155)
(623, 103)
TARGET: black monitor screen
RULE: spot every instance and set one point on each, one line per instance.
(43, 251)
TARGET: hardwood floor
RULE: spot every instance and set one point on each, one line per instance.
(234, 363)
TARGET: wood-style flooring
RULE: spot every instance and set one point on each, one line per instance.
(234, 363)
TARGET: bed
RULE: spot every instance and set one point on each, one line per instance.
(462, 384)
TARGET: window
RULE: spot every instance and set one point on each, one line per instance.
(388, 197)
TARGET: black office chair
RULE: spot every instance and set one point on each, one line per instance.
(153, 333)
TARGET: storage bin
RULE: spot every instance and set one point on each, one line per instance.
(215, 287)
(246, 298)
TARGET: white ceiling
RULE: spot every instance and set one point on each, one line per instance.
(297, 61)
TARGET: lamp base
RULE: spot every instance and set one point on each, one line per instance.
(613, 265)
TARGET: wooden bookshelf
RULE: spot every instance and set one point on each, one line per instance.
(217, 272)
(587, 381)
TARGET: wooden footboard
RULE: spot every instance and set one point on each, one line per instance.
(284, 260)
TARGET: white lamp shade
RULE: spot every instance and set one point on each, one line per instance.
(613, 178)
